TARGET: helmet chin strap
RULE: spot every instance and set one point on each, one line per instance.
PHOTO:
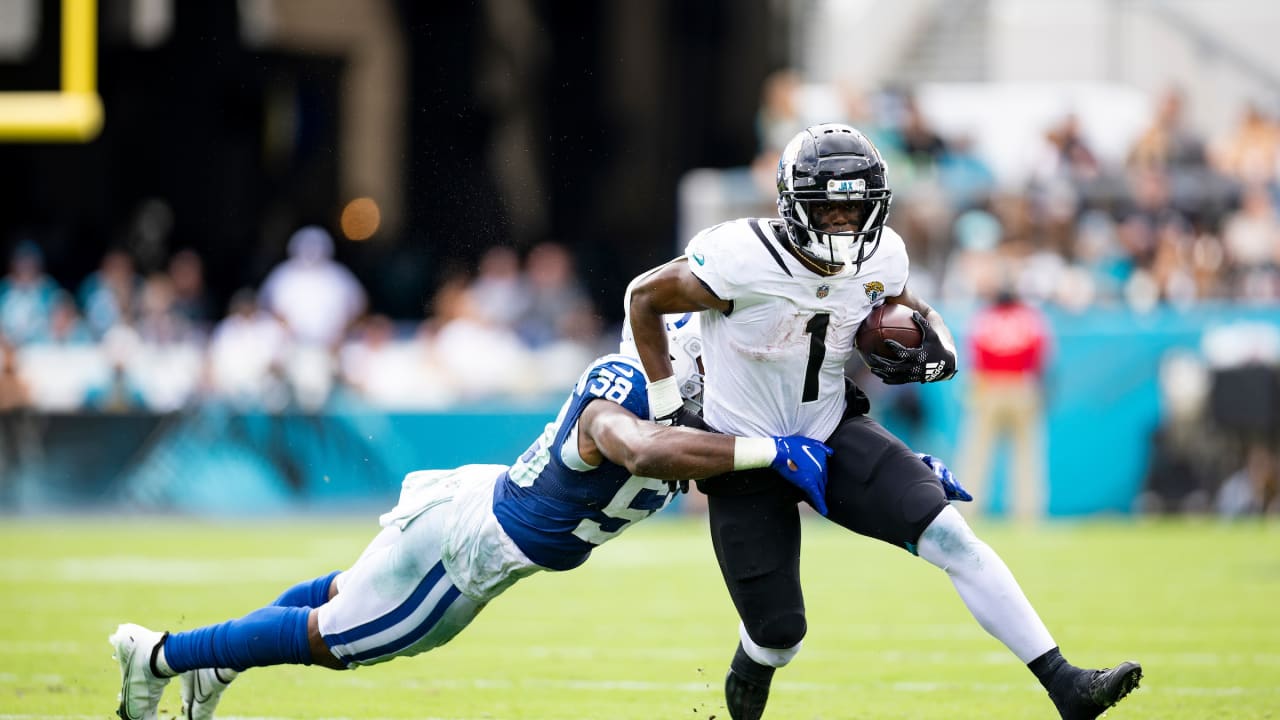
(844, 243)
(844, 251)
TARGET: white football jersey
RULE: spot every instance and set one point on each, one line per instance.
(775, 362)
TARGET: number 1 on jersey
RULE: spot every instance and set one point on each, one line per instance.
(817, 330)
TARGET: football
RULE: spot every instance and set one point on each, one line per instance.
(888, 322)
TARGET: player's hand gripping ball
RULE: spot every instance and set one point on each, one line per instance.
(900, 346)
(889, 321)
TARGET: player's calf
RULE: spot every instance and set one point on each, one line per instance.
(310, 593)
(746, 686)
(745, 700)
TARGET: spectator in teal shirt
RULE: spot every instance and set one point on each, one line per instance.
(27, 296)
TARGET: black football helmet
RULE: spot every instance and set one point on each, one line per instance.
(833, 164)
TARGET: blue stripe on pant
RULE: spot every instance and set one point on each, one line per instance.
(415, 635)
(400, 613)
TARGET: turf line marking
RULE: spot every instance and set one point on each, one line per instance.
(26, 647)
(50, 717)
(117, 569)
(903, 687)
(917, 688)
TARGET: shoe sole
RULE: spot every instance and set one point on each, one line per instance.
(1129, 676)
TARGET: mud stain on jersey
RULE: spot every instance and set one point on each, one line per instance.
(784, 338)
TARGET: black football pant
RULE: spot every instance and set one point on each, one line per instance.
(876, 487)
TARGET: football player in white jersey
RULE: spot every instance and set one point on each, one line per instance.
(781, 301)
(459, 538)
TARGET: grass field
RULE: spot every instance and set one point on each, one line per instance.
(645, 629)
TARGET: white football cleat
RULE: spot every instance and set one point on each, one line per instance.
(201, 690)
(140, 687)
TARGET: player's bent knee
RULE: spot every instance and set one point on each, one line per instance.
(948, 540)
(774, 644)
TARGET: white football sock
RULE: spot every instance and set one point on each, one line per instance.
(162, 664)
(985, 584)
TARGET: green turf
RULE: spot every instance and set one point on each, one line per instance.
(645, 629)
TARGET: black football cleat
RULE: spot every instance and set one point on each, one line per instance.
(744, 698)
(1089, 693)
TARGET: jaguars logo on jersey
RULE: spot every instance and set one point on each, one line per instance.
(874, 289)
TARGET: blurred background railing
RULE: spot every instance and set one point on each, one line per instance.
(319, 244)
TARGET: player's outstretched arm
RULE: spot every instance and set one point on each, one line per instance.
(609, 431)
(669, 288)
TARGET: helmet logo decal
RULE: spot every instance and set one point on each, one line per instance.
(823, 290)
(680, 321)
(874, 289)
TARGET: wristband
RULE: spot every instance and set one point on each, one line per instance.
(752, 453)
(664, 397)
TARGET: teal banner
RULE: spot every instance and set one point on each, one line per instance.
(1103, 402)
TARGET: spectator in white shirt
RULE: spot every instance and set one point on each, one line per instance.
(316, 297)
(245, 355)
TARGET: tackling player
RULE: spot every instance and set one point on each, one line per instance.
(782, 301)
(459, 538)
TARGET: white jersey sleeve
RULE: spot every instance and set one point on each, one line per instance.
(895, 266)
(729, 267)
(775, 361)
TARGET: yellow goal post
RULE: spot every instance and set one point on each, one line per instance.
(72, 113)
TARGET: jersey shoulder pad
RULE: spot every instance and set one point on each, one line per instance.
(722, 255)
(722, 238)
(892, 258)
(892, 243)
(619, 379)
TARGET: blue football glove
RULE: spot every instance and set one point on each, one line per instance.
(802, 462)
(950, 485)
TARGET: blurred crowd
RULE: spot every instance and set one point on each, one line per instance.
(1181, 219)
(1217, 447)
(125, 341)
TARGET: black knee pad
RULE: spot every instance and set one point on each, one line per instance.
(780, 633)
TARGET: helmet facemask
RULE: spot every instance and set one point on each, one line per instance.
(850, 246)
